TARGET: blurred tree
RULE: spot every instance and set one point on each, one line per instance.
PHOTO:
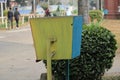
(34, 5)
(19, 1)
(59, 3)
(80, 11)
(83, 6)
(8, 3)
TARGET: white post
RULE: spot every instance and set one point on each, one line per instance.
(22, 19)
(2, 11)
(5, 6)
(6, 22)
(73, 2)
(34, 6)
(98, 6)
(101, 4)
(48, 3)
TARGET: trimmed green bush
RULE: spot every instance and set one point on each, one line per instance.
(96, 15)
(75, 12)
(44, 6)
(97, 53)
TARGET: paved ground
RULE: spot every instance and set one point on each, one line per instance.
(17, 57)
(115, 70)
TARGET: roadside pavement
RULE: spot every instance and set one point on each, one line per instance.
(17, 56)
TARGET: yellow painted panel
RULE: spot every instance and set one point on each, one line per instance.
(56, 27)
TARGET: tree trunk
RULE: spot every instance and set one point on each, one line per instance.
(34, 5)
(80, 9)
(83, 9)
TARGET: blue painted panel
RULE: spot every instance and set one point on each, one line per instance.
(77, 32)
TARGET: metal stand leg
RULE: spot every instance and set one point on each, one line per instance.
(50, 54)
(49, 69)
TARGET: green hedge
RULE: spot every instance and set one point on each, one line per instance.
(96, 15)
(97, 53)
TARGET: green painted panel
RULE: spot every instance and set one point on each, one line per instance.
(56, 27)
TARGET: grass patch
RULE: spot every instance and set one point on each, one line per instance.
(2, 25)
